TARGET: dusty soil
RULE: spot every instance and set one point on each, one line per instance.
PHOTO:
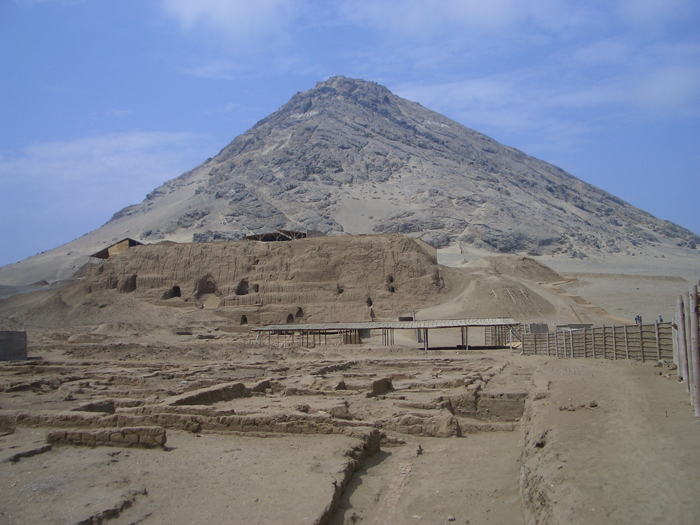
(540, 441)
(341, 434)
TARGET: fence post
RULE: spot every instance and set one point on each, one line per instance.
(688, 345)
(627, 344)
(658, 343)
(556, 343)
(695, 346)
(593, 341)
(676, 343)
(585, 346)
(614, 342)
(682, 353)
(641, 342)
(571, 340)
(548, 341)
(605, 344)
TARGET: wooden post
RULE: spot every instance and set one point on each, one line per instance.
(676, 344)
(548, 342)
(510, 336)
(425, 339)
(593, 341)
(605, 344)
(695, 347)
(571, 337)
(641, 342)
(688, 343)
(614, 342)
(627, 344)
(682, 351)
(585, 345)
(658, 342)
(556, 343)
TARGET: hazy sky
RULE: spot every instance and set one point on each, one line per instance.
(102, 101)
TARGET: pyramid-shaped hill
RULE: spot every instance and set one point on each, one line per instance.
(350, 157)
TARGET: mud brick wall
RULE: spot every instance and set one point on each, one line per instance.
(144, 437)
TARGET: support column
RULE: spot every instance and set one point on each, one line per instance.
(682, 352)
(658, 341)
(695, 347)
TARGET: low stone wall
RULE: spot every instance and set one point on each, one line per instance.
(143, 437)
(212, 394)
(442, 426)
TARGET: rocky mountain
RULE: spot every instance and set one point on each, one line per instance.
(351, 157)
(348, 156)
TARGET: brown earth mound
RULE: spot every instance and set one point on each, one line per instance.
(348, 278)
(516, 266)
(168, 290)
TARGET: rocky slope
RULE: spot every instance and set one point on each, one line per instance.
(349, 156)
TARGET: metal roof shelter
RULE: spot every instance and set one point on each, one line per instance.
(282, 235)
(387, 328)
(116, 248)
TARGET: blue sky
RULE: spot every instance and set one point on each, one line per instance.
(100, 102)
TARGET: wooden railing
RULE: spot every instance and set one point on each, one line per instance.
(643, 342)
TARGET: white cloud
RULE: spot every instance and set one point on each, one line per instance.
(669, 88)
(417, 18)
(607, 51)
(53, 192)
(30, 3)
(654, 13)
(235, 19)
(217, 69)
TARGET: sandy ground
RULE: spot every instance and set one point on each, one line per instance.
(478, 437)
(473, 480)
(598, 442)
(209, 478)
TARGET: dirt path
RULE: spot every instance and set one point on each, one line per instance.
(473, 479)
(631, 458)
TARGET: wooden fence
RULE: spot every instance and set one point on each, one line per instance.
(649, 342)
(501, 336)
(687, 345)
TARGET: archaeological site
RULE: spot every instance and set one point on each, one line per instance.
(358, 312)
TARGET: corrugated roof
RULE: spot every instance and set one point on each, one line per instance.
(393, 325)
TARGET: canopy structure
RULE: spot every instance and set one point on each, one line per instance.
(116, 248)
(387, 327)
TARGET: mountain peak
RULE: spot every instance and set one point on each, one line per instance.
(349, 156)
